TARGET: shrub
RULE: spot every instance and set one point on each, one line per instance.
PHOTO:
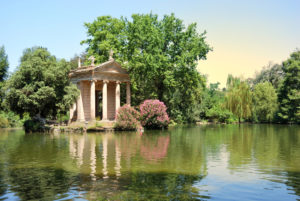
(219, 114)
(9, 119)
(154, 114)
(4, 122)
(127, 118)
(35, 125)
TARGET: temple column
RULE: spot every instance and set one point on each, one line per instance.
(80, 112)
(118, 102)
(72, 109)
(93, 100)
(128, 93)
(104, 100)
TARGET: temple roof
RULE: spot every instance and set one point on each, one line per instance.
(111, 69)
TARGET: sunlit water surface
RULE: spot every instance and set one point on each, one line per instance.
(217, 162)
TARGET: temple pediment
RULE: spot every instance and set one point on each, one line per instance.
(110, 67)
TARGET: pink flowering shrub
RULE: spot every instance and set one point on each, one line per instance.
(154, 114)
(127, 118)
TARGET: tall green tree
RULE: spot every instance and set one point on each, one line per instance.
(3, 64)
(289, 94)
(40, 85)
(238, 97)
(161, 56)
(264, 102)
(272, 73)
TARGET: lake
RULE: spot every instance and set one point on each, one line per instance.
(213, 162)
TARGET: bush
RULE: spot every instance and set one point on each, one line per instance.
(219, 114)
(62, 118)
(154, 114)
(127, 118)
(35, 125)
(3, 122)
(9, 119)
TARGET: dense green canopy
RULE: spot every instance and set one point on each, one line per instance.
(40, 85)
(264, 102)
(289, 94)
(160, 54)
(3, 64)
(272, 73)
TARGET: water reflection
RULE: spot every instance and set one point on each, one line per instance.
(187, 163)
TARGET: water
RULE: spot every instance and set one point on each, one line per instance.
(215, 162)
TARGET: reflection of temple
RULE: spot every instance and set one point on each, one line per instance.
(91, 155)
(101, 155)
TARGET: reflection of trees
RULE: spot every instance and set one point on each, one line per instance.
(38, 171)
(273, 149)
(3, 185)
(39, 183)
(156, 186)
(293, 180)
(8, 141)
(186, 152)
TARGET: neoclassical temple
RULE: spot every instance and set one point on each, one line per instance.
(99, 87)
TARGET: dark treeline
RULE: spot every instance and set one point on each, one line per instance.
(161, 55)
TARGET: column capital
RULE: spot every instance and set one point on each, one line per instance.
(93, 80)
(118, 82)
(105, 81)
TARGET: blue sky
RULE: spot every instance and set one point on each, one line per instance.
(245, 35)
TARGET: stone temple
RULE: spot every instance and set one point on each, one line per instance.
(99, 87)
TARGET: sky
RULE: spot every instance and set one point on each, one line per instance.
(245, 34)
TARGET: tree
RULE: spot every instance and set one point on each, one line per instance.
(160, 55)
(3, 64)
(3, 72)
(40, 86)
(264, 101)
(238, 97)
(272, 73)
(74, 60)
(289, 93)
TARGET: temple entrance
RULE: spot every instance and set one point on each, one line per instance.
(98, 104)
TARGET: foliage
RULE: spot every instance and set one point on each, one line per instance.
(74, 60)
(272, 73)
(40, 86)
(220, 114)
(3, 73)
(211, 96)
(154, 114)
(3, 64)
(4, 123)
(238, 97)
(127, 118)
(160, 55)
(289, 93)
(35, 125)
(9, 119)
(264, 102)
